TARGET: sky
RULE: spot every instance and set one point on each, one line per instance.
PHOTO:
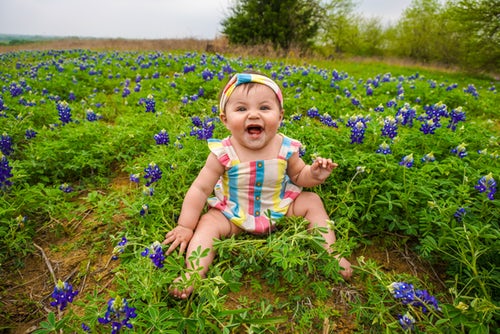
(140, 19)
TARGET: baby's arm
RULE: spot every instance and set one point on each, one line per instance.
(309, 175)
(193, 204)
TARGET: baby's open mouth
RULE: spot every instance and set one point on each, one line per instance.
(254, 129)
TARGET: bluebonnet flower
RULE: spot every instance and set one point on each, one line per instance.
(126, 92)
(487, 183)
(296, 117)
(144, 210)
(137, 88)
(3, 106)
(379, 108)
(85, 328)
(135, 177)
(406, 321)
(189, 68)
(119, 248)
(358, 128)
(6, 144)
(355, 102)
(150, 103)
(66, 188)
(313, 112)
(416, 298)
(456, 115)
(207, 75)
(155, 253)
(384, 148)
(162, 137)
(118, 314)
(15, 89)
(407, 114)
(203, 130)
(148, 191)
(390, 127)
(391, 103)
(64, 112)
(429, 126)
(459, 214)
(407, 161)
(369, 90)
(451, 87)
(5, 172)
(328, 121)
(63, 294)
(71, 96)
(153, 173)
(429, 157)
(471, 89)
(92, 116)
(30, 133)
(460, 151)
(431, 119)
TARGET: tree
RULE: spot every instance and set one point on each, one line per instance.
(281, 23)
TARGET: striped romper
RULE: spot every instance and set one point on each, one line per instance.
(254, 194)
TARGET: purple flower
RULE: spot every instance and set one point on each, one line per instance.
(118, 314)
(85, 328)
(66, 188)
(150, 103)
(144, 210)
(92, 116)
(134, 177)
(487, 183)
(460, 151)
(6, 144)
(416, 298)
(406, 321)
(429, 157)
(203, 130)
(390, 128)
(358, 128)
(328, 121)
(5, 172)
(456, 115)
(63, 294)
(153, 173)
(313, 112)
(30, 133)
(459, 214)
(407, 161)
(64, 112)
(471, 89)
(120, 248)
(407, 115)
(162, 138)
(379, 108)
(384, 148)
(155, 253)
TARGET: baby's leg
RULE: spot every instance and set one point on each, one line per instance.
(310, 206)
(212, 225)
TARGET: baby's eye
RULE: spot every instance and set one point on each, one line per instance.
(241, 108)
(265, 107)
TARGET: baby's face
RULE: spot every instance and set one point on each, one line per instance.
(253, 114)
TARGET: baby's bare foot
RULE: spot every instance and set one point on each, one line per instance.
(180, 288)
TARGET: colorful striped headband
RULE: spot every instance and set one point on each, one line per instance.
(242, 78)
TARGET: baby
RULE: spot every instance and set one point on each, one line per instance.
(256, 175)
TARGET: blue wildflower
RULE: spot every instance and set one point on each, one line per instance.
(148, 191)
(120, 248)
(30, 133)
(406, 321)
(85, 328)
(155, 253)
(487, 183)
(460, 151)
(162, 137)
(407, 161)
(134, 177)
(407, 114)
(144, 210)
(328, 120)
(379, 108)
(153, 173)
(459, 214)
(384, 148)
(313, 112)
(92, 116)
(358, 128)
(471, 89)
(456, 115)
(390, 127)
(66, 188)
(6, 144)
(64, 112)
(150, 103)
(429, 157)
(5, 172)
(118, 314)
(203, 130)
(63, 294)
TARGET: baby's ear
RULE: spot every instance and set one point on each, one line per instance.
(223, 118)
(282, 114)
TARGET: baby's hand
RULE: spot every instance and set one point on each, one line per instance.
(179, 236)
(321, 168)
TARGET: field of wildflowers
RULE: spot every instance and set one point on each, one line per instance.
(98, 149)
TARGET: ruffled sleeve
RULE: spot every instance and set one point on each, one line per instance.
(218, 148)
(289, 147)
